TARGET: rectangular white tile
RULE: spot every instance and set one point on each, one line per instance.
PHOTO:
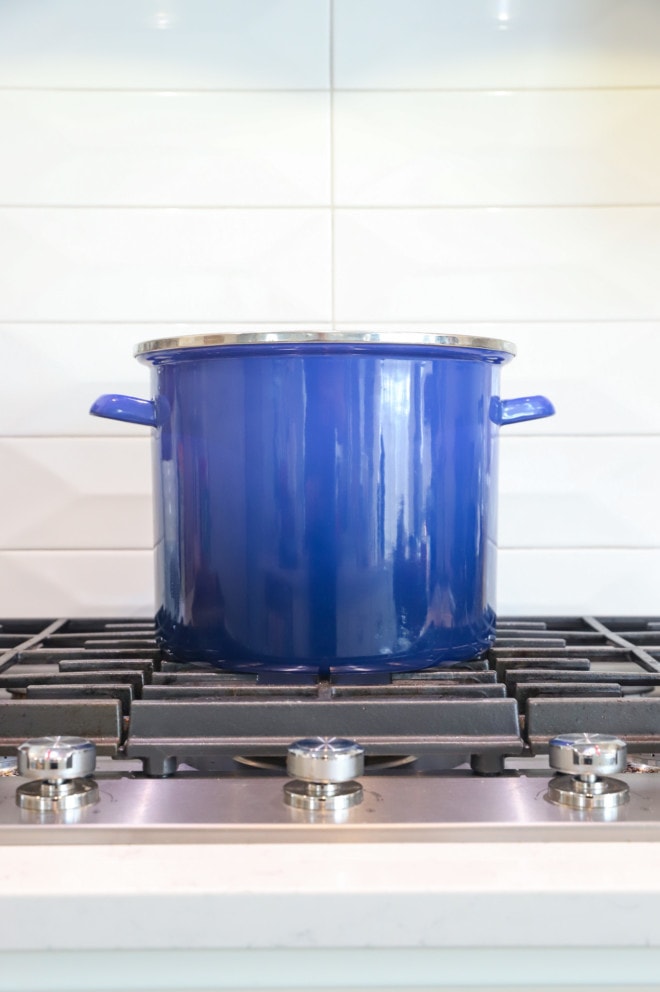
(579, 492)
(497, 264)
(398, 44)
(164, 149)
(120, 583)
(61, 264)
(76, 583)
(76, 493)
(50, 374)
(601, 377)
(498, 148)
(568, 582)
(184, 44)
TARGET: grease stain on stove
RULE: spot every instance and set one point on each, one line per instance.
(374, 797)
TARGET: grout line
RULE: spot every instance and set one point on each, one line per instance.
(505, 438)
(266, 324)
(605, 548)
(480, 322)
(442, 324)
(500, 207)
(356, 207)
(331, 79)
(501, 88)
(577, 436)
(92, 438)
(172, 90)
(297, 207)
(92, 551)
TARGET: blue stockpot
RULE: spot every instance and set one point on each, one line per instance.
(325, 502)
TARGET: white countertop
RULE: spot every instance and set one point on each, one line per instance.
(462, 905)
(330, 895)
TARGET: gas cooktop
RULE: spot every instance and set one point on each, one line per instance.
(190, 752)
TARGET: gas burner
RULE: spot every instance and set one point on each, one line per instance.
(106, 681)
(278, 763)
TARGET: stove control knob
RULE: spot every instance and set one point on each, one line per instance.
(61, 767)
(325, 759)
(56, 758)
(588, 754)
(324, 769)
(583, 761)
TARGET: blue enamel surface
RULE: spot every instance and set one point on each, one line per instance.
(524, 408)
(325, 509)
(327, 506)
(128, 409)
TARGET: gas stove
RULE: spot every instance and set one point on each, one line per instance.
(189, 753)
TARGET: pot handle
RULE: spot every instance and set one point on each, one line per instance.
(521, 409)
(130, 409)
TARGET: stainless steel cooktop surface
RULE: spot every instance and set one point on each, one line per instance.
(552, 735)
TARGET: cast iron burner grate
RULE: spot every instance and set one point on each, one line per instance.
(106, 680)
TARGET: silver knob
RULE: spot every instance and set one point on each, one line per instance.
(585, 760)
(588, 755)
(324, 769)
(60, 767)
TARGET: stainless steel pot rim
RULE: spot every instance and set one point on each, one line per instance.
(411, 339)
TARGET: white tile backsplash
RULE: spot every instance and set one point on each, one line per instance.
(76, 583)
(569, 582)
(497, 148)
(51, 374)
(181, 44)
(165, 149)
(86, 493)
(484, 264)
(576, 492)
(488, 167)
(120, 583)
(601, 377)
(67, 264)
(495, 44)
(76, 493)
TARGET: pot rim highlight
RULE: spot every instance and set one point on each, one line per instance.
(411, 339)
